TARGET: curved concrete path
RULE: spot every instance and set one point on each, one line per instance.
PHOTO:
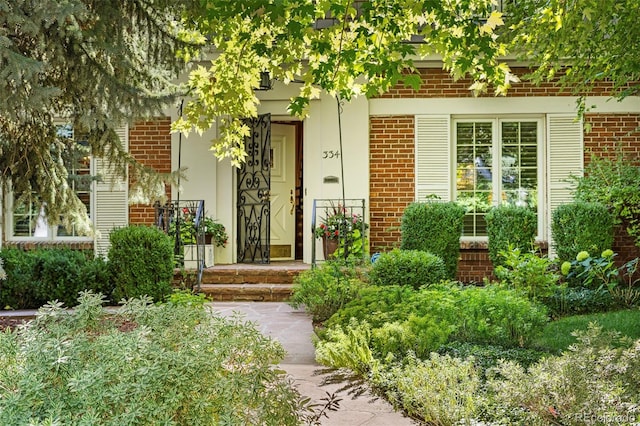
(293, 329)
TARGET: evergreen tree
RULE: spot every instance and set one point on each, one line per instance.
(94, 64)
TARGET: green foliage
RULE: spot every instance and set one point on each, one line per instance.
(129, 62)
(486, 357)
(141, 366)
(325, 289)
(216, 230)
(594, 379)
(141, 262)
(581, 226)
(527, 272)
(377, 305)
(347, 348)
(592, 272)
(434, 316)
(440, 390)
(494, 315)
(16, 290)
(39, 276)
(436, 228)
(364, 43)
(546, 33)
(578, 300)
(414, 268)
(419, 335)
(613, 182)
(61, 274)
(627, 292)
(188, 298)
(510, 227)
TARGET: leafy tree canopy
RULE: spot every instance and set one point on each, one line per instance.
(96, 65)
(579, 43)
(344, 47)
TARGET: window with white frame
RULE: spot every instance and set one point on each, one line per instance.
(497, 161)
(28, 212)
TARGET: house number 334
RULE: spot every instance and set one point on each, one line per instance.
(330, 154)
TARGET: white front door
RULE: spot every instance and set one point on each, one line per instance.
(283, 174)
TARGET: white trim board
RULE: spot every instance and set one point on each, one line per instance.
(502, 105)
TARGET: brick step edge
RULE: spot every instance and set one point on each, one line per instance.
(247, 292)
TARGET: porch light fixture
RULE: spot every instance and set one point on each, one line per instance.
(265, 81)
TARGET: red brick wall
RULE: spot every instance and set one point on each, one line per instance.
(610, 135)
(436, 83)
(150, 144)
(392, 179)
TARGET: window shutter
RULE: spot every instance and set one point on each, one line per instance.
(112, 208)
(565, 158)
(433, 157)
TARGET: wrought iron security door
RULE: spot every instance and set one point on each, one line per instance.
(254, 185)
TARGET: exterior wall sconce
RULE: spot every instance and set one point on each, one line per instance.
(265, 81)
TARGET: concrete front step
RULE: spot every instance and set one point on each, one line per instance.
(248, 282)
(247, 292)
(233, 274)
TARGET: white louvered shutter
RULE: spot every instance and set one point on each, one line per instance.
(564, 158)
(433, 157)
(112, 210)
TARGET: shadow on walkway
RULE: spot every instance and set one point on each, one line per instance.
(293, 329)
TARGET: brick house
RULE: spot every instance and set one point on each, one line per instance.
(396, 149)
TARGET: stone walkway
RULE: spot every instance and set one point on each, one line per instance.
(292, 328)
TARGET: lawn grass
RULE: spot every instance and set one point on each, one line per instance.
(557, 336)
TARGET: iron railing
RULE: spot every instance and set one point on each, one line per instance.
(183, 221)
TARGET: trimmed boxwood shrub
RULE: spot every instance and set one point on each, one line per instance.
(579, 226)
(40, 276)
(510, 227)
(17, 290)
(436, 228)
(414, 268)
(141, 262)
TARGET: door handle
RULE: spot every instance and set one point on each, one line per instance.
(293, 204)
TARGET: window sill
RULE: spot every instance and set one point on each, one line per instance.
(36, 244)
(484, 245)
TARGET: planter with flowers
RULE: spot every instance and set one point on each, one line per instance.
(343, 234)
(214, 233)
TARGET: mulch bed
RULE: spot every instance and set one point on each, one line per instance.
(10, 323)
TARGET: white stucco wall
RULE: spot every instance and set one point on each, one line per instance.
(215, 181)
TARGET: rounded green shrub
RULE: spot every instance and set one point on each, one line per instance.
(414, 268)
(579, 226)
(510, 227)
(17, 290)
(40, 276)
(141, 262)
(434, 227)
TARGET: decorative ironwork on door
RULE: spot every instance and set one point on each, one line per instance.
(254, 185)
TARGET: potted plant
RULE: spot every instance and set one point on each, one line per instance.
(214, 232)
(341, 232)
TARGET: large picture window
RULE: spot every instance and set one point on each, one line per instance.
(497, 162)
(28, 219)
